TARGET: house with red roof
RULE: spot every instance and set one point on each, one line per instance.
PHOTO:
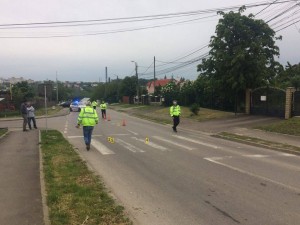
(162, 83)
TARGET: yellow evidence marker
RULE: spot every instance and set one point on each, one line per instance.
(111, 140)
(147, 140)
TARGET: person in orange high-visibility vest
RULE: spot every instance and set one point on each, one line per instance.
(175, 113)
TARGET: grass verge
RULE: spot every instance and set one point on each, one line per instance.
(161, 114)
(38, 112)
(290, 126)
(74, 194)
(260, 142)
(3, 131)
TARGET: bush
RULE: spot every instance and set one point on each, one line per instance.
(195, 108)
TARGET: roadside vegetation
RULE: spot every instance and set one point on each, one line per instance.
(75, 195)
(161, 114)
(290, 126)
(38, 112)
(3, 131)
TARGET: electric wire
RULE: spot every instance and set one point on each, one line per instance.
(126, 19)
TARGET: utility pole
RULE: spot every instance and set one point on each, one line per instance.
(45, 90)
(154, 78)
(105, 82)
(118, 92)
(56, 89)
(137, 82)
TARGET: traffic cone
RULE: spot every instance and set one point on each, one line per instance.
(124, 123)
(108, 118)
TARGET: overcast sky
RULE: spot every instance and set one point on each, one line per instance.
(81, 53)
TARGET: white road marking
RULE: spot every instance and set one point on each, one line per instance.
(132, 132)
(101, 148)
(150, 144)
(195, 141)
(173, 143)
(128, 146)
(214, 160)
(96, 135)
(256, 156)
(288, 154)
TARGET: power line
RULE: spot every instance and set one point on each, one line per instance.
(123, 20)
(266, 7)
(138, 17)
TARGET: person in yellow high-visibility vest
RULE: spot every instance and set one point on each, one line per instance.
(94, 104)
(103, 109)
(88, 118)
(175, 113)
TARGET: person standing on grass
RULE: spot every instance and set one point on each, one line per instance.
(31, 116)
(23, 110)
(88, 118)
(103, 109)
(175, 113)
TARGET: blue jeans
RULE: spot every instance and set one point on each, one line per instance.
(87, 134)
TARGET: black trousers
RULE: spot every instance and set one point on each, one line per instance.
(103, 111)
(29, 122)
(176, 121)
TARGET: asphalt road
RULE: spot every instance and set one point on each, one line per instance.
(187, 178)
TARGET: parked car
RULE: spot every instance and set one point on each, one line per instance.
(65, 104)
(74, 107)
(81, 105)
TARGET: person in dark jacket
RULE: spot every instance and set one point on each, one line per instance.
(23, 110)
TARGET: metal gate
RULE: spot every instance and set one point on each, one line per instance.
(296, 103)
(268, 101)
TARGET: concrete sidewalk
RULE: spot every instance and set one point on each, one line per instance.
(20, 188)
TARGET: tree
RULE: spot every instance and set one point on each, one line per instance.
(128, 86)
(170, 92)
(289, 77)
(187, 93)
(22, 91)
(242, 54)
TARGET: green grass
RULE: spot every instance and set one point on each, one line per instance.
(290, 126)
(9, 114)
(38, 112)
(161, 114)
(74, 194)
(50, 111)
(3, 131)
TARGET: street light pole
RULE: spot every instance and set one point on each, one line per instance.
(137, 81)
(56, 89)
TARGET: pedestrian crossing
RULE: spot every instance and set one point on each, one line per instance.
(136, 144)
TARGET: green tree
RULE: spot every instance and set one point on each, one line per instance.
(170, 92)
(289, 77)
(128, 86)
(22, 91)
(242, 54)
(187, 94)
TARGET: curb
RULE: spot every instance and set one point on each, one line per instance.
(256, 144)
(43, 186)
(6, 133)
